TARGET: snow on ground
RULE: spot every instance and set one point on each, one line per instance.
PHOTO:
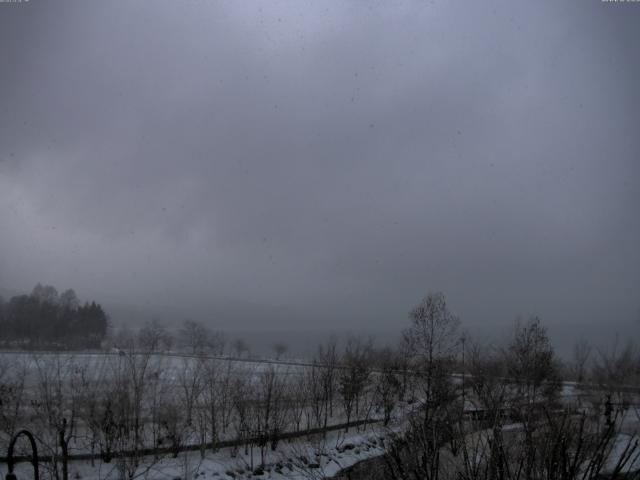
(622, 443)
(312, 458)
(303, 458)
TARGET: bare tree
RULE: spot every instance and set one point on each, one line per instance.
(45, 293)
(532, 362)
(179, 416)
(225, 395)
(92, 395)
(316, 395)
(579, 366)
(270, 410)
(328, 357)
(296, 399)
(431, 342)
(199, 339)
(386, 382)
(431, 339)
(190, 385)
(617, 374)
(514, 386)
(214, 391)
(57, 407)
(354, 376)
(154, 337)
(241, 396)
(240, 347)
(280, 349)
(13, 372)
(132, 379)
(565, 446)
(172, 422)
(69, 299)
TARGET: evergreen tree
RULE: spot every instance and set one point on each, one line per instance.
(43, 319)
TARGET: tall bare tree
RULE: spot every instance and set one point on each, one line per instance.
(354, 376)
(197, 338)
(57, 406)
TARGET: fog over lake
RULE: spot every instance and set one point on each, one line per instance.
(317, 167)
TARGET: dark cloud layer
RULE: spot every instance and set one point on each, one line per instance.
(324, 164)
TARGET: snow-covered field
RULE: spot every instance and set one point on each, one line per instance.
(307, 458)
(304, 457)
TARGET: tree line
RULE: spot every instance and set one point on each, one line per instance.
(447, 406)
(135, 408)
(45, 319)
(506, 412)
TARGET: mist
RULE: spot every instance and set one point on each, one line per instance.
(317, 167)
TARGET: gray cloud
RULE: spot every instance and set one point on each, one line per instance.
(328, 162)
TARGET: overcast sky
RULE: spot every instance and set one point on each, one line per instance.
(324, 164)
